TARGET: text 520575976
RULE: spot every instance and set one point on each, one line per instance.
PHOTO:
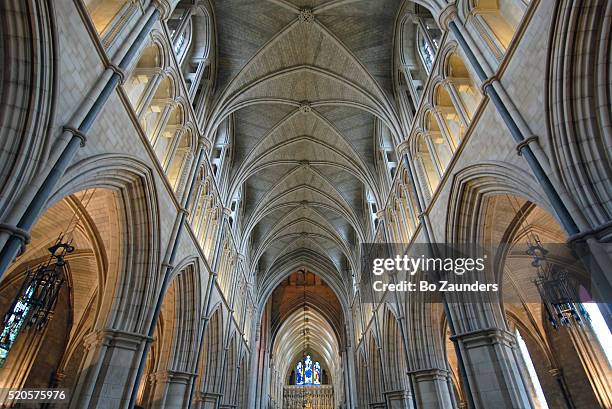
(34, 395)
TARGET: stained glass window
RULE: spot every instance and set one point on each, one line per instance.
(308, 372)
(14, 321)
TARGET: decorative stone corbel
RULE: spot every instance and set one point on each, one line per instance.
(522, 145)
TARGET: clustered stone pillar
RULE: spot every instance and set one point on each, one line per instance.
(108, 371)
(431, 388)
(170, 389)
(493, 370)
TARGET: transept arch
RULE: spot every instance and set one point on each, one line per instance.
(134, 266)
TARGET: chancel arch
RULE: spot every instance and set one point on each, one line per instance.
(307, 334)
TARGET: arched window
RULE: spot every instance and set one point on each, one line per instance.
(426, 52)
(428, 37)
(387, 157)
(533, 376)
(181, 44)
(461, 80)
(308, 372)
(450, 116)
(152, 117)
(373, 209)
(501, 19)
(141, 80)
(15, 320)
(104, 12)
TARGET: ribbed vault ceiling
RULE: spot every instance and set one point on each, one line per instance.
(304, 83)
(306, 86)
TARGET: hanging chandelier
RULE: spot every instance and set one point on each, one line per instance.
(36, 299)
(557, 289)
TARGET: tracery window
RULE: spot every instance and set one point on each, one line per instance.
(428, 39)
(181, 44)
(427, 54)
(308, 372)
(373, 209)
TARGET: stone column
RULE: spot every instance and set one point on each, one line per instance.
(400, 399)
(181, 183)
(171, 150)
(145, 99)
(492, 369)
(431, 388)
(170, 389)
(109, 369)
(457, 102)
(208, 401)
(594, 362)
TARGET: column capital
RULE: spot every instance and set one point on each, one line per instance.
(21, 234)
(205, 143)
(77, 133)
(116, 338)
(522, 145)
(115, 68)
(489, 82)
(428, 374)
(174, 376)
(485, 336)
